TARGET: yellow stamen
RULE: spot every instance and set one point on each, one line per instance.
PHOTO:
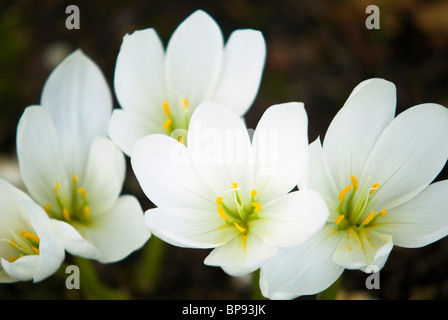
(343, 192)
(57, 185)
(234, 185)
(354, 182)
(87, 212)
(240, 229)
(31, 236)
(35, 250)
(219, 200)
(221, 213)
(369, 218)
(47, 208)
(166, 108)
(382, 213)
(257, 206)
(339, 219)
(12, 259)
(75, 179)
(82, 192)
(167, 124)
(185, 102)
(180, 138)
(65, 214)
(374, 188)
(253, 193)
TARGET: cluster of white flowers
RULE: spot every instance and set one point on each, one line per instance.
(299, 212)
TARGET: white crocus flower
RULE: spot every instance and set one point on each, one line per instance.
(374, 172)
(158, 90)
(29, 250)
(226, 193)
(73, 171)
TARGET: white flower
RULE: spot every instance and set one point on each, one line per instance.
(29, 250)
(226, 193)
(158, 91)
(73, 171)
(374, 172)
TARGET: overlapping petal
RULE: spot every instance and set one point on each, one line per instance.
(302, 270)
(356, 127)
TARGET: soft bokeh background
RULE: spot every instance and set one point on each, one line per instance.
(318, 51)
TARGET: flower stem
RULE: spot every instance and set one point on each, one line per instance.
(256, 292)
(331, 292)
(92, 287)
(147, 275)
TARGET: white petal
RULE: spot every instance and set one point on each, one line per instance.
(280, 145)
(189, 228)
(77, 97)
(219, 146)
(38, 154)
(409, 154)
(291, 219)
(244, 59)
(194, 57)
(73, 241)
(419, 221)
(302, 270)
(319, 176)
(239, 257)
(359, 250)
(139, 74)
(163, 168)
(119, 231)
(51, 255)
(104, 175)
(125, 128)
(22, 269)
(356, 127)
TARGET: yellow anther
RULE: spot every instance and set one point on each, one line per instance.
(180, 139)
(66, 214)
(166, 108)
(234, 185)
(221, 213)
(29, 235)
(47, 208)
(185, 102)
(36, 250)
(57, 185)
(257, 206)
(240, 229)
(219, 200)
(354, 182)
(253, 193)
(382, 213)
(82, 192)
(374, 188)
(167, 124)
(339, 219)
(75, 179)
(87, 212)
(343, 192)
(369, 218)
(12, 259)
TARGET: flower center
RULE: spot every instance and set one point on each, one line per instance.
(236, 213)
(25, 243)
(70, 206)
(351, 209)
(176, 123)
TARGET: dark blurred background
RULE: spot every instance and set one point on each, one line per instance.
(317, 52)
